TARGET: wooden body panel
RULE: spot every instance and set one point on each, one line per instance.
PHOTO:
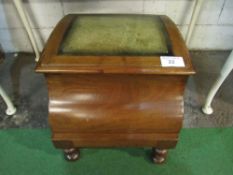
(115, 103)
(110, 110)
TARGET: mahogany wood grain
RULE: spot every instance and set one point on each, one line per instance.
(114, 101)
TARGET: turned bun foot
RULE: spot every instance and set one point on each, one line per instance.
(159, 155)
(71, 154)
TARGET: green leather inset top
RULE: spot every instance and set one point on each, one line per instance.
(116, 35)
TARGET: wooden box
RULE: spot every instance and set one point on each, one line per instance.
(107, 85)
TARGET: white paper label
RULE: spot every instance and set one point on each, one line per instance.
(171, 61)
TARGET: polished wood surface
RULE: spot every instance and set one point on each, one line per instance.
(123, 103)
(115, 110)
(159, 155)
(52, 62)
(114, 101)
(71, 154)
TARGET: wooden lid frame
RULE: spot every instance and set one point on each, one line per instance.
(51, 62)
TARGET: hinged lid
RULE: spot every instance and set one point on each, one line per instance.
(100, 43)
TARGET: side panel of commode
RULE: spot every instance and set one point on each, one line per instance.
(91, 110)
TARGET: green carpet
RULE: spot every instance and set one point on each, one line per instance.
(199, 152)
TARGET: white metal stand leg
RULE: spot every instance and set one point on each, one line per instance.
(24, 17)
(11, 110)
(196, 11)
(228, 66)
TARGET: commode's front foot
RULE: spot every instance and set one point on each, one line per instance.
(159, 155)
(71, 154)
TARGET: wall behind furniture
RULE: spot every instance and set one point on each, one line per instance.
(214, 29)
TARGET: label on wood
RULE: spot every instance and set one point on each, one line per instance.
(171, 61)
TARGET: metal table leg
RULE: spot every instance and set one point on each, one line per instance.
(11, 110)
(24, 17)
(228, 66)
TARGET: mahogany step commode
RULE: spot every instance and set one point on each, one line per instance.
(108, 85)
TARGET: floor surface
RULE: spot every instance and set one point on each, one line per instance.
(199, 152)
(29, 93)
